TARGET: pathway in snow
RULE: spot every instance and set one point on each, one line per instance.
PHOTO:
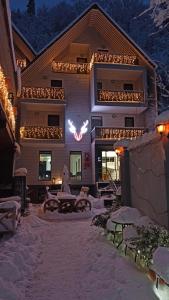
(77, 263)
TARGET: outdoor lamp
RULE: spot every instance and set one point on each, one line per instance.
(163, 129)
(119, 150)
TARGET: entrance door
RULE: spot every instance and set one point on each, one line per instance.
(110, 166)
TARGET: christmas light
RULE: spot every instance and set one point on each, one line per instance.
(42, 93)
(83, 130)
(21, 63)
(6, 103)
(70, 67)
(40, 132)
(121, 96)
(84, 68)
(117, 133)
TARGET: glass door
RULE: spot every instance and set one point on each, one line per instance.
(110, 166)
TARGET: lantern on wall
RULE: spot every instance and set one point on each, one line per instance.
(162, 124)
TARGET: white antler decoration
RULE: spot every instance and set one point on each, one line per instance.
(73, 130)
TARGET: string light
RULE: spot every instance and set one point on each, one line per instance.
(114, 96)
(70, 67)
(43, 93)
(8, 108)
(21, 63)
(84, 68)
(40, 132)
(117, 133)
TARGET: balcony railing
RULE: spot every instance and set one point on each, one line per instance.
(73, 68)
(84, 68)
(109, 133)
(114, 59)
(120, 96)
(41, 132)
(42, 93)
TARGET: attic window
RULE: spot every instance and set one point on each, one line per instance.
(81, 60)
(56, 83)
(103, 50)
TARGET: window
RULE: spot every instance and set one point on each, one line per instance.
(82, 60)
(104, 50)
(129, 121)
(96, 121)
(53, 120)
(45, 158)
(56, 83)
(76, 165)
(128, 86)
(99, 85)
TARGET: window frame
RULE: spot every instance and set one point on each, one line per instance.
(129, 118)
(75, 152)
(56, 80)
(96, 117)
(44, 152)
(53, 115)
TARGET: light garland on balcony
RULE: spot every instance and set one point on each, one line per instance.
(42, 93)
(118, 133)
(21, 63)
(40, 132)
(8, 108)
(74, 68)
(115, 59)
(122, 96)
(84, 68)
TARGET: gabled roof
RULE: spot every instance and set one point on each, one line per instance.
(79, 24)
(22, 44)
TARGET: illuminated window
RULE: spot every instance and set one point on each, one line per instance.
(129, 121)
(45, 158)
(76, 165)
(56, 83)
(53, 120)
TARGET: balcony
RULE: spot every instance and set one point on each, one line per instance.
(120, 96)
(114, 59)
(71, 68)
(112, 134)
(43, 93)
(37, 133)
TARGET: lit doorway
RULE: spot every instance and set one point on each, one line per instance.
(110, 166)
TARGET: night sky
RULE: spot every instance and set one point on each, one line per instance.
(21, 4)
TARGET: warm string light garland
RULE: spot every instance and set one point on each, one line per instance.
(40, 132)
(43, 93)
(118, 133)
(121, 96)
(84, 68)
(70, 67)
(21, 63)
(8, 108)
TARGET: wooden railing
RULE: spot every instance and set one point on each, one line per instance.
(42, 93)
(120, 96)
(112, 133)
(41, 132)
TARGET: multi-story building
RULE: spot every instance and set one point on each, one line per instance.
(89, 87)
(9, 88)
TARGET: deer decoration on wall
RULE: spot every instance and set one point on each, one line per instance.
(83, 130)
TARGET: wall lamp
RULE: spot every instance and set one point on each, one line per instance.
(119, 150)
(163, 129)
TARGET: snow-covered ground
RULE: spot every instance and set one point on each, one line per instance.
(67, 260)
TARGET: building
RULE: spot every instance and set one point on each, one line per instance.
(89, 87)
(9, 88)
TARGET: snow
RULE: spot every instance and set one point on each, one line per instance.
(125, 215)
(163, 118)
(11, 198)
(67, 260)
(21, 172)
(161, 263)
(146, 138)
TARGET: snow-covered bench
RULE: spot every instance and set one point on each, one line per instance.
(9, 213)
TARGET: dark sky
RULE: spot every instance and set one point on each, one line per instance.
(21, 4)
